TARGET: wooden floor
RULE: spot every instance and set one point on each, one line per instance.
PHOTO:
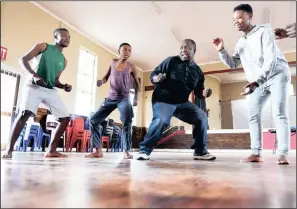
(170, 179)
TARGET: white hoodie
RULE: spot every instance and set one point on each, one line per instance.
(259, 55)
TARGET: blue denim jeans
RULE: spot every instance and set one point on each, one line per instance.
(187, 112)
(277, 87)
(126, 115)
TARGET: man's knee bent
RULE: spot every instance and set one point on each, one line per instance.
(94, 121)
(201, 120)
(254, 118)
(161, 121)
(280, 117)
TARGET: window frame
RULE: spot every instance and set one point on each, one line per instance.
(81, 73)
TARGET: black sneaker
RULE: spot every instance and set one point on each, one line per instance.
(206, 156)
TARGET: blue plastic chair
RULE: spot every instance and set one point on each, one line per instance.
(120, 142)
(34, 133)
(43, 137)
(117, 146)
(20, 139)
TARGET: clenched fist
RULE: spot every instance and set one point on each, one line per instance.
(218, 43)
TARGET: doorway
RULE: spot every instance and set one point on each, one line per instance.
(10, 82)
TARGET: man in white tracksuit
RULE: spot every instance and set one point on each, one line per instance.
(267, 72)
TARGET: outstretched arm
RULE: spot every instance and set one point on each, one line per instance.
(106, 76)
(137, 86)
(269, 55)
(289, 31)
(231, 61)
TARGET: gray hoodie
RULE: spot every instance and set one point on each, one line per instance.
(259, 55)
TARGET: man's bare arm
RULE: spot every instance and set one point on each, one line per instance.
(58, 84)
(106, 76)
(35, 51)
(137, 85)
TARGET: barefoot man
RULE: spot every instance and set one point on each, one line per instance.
(44, 77)
(120, 72)
(268, 74)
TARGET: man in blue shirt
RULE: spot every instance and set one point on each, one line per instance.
(175, 78)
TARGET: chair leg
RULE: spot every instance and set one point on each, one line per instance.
(275, 144)
(25, 144)
(33, 144)
(107, 146)
(71, 145)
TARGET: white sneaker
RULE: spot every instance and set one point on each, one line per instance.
(206, 156)
(143, 156)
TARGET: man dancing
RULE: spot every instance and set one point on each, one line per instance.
(120, 72)
(50, 63)
(268, 73)
(175, 78)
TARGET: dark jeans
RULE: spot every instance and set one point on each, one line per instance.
(126, 114)
(187, 112)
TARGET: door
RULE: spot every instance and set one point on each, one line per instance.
(9, 94)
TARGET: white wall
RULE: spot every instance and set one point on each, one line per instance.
(240, 113)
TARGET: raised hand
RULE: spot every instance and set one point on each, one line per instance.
(280, 33)
(291, 30)
(218, 43)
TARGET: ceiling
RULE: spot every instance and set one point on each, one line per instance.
(154, 29)
(237, 76)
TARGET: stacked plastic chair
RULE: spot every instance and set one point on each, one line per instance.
(77, 134)
(115, 140)
(34, 134)
(43, 137)
(107, 134)
(19, 143)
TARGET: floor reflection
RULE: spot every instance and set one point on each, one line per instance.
(168, 180)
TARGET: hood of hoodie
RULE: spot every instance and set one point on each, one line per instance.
(256, 48)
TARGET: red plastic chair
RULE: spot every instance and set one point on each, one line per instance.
(105, 139)
(77, 133)
(86, 142)
(68, 134)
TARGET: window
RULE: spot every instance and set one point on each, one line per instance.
(86, 83)
(132, 94)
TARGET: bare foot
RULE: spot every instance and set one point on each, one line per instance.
(54, 154)
(95, 155)
(127, 155)
(282, 160)
(252, 159)
(7, 155)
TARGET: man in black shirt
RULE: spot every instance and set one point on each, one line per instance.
(175, 78)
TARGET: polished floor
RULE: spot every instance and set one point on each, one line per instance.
(169, 179)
